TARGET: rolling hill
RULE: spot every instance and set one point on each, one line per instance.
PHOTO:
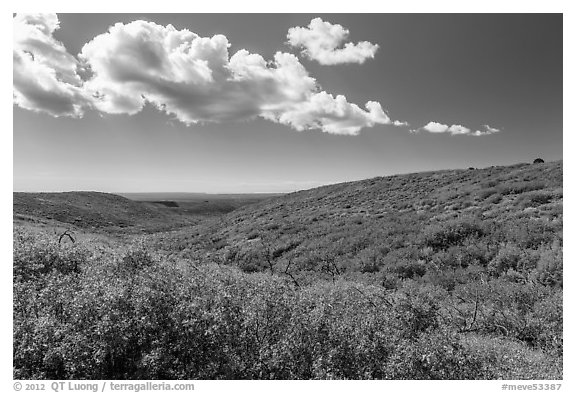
(130, 213)
(368, 226)
(92, 211)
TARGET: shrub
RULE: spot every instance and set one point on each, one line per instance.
(417, 308)
(508, 257)
(529, 233)
(35, 255)
(500, 307)
(408, 269)
(535, 199)
(507, 359)
(137, 257)
(494, 199)
(550, 266)
(442, 355)
(520, 187)
(545, 323)
(442, 236)
(485, 193)
(253, 235)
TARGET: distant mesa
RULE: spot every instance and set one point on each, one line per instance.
(538, 161)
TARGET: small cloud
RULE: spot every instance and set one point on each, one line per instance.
(455, 129)
(435, 127)
(487, 131)
(490, 130)
(321, 41)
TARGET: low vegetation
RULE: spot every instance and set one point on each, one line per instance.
(442, 275)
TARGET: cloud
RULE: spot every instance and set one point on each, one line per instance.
(487, 131)
(438, 128)
(334, 115)
(194, 79)
(435, 127)
(490, 130)
(454, 129)
(321, 41)
(44, 73)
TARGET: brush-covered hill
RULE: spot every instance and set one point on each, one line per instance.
(441, 275)
(92, 210)
(405, 225)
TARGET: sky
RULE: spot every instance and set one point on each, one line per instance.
(239, 103)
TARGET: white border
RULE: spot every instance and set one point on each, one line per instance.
(294, 6)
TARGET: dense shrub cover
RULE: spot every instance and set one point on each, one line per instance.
(133, 314)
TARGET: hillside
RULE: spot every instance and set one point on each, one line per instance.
(368, 226)
(442, 275)
(126, 213)
(92, 211)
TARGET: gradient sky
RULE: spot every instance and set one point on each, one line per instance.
(503, 70)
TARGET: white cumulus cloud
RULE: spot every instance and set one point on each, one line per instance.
(455, 129)
(334, 115)
(195, 79)
(322, 41)
(45, 75)
(192, 78)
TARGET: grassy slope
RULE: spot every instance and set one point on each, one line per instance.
(435, 196)
(92, 210)
(114, 213)
(356, 223)
(361, 223)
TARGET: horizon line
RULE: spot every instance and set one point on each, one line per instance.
(318, 185)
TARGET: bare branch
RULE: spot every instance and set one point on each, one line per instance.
(66, 233)
(366, 296)
(290, 274)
